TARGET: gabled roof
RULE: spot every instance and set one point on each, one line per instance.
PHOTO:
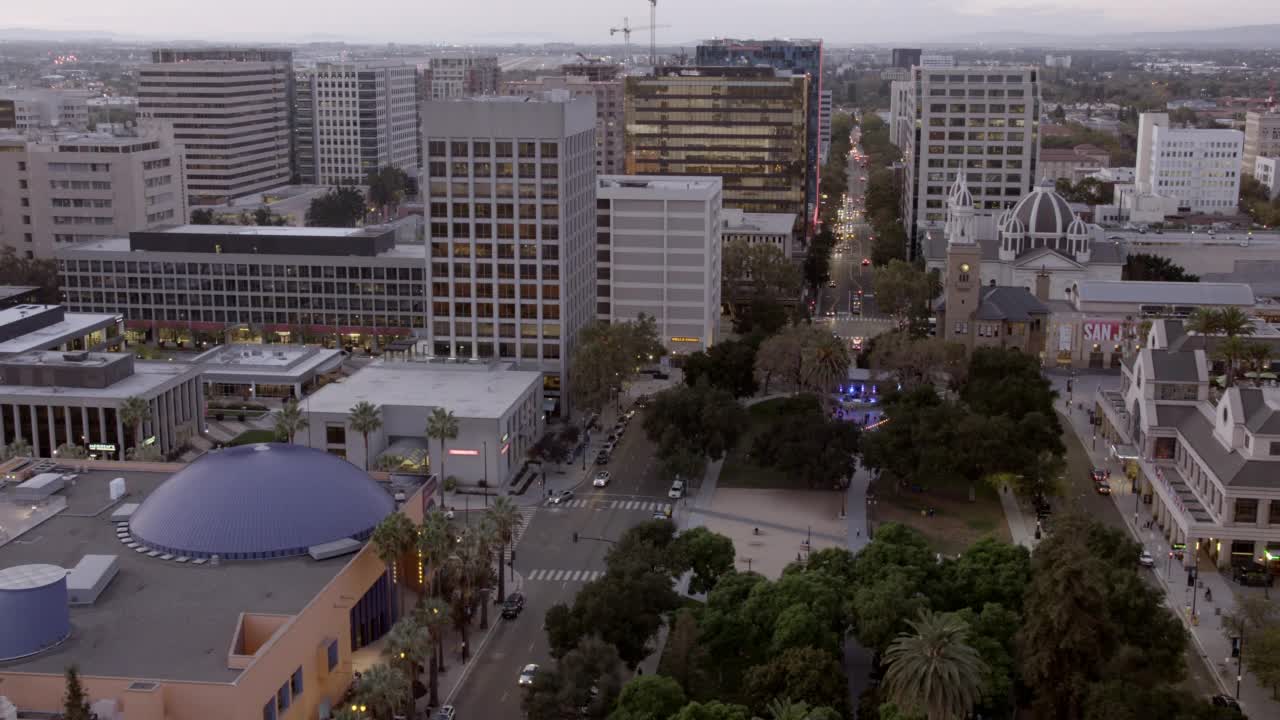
(1260, 416)
(1174, 367)
(1231, 467)
(1009, 304)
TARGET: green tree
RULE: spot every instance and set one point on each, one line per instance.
(691, 423)
(1231, 351)
(409, 644)
(803, 442)
(393, 537)
(988, 571)
(364, 418)
(1233, 321)
(1205, 321)
(506, 520)
(433, 614)
(915, 361)
(933, 669)
(904, 291)
(145, 453)
(1148, 267)
(713, 710)
(36, 272)
(608, 355)
(708, 554)
(803, 358)
(387, 186)
(684, 658)
(756, 270)
(75, 703)
(728, 365)
(133, 412)
(202, 216)
(383, 689)
(340, 207)
(649, 697)
(584, 683)
(290, 420)
(442, 426)
(436, 538)
(70, 451)
(802, 674)
(1119, 699)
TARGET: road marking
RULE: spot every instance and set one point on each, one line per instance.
(563, 575)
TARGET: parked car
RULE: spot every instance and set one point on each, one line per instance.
(602, 457)
(677, 490)
(562, 497)
(512, 606)
(601, 478)
(1225, 701)
(1102, 487)
(1146, 560)
(1097, 474)
(526, 675)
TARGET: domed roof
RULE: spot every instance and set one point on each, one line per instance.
(260, 501)
(1043, 211)
(959, 195)
(1078, 227)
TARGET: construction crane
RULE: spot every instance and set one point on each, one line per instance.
(653, 33)
(626, 31)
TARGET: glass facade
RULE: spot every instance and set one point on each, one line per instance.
(747, 127)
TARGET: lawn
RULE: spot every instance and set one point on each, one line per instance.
(956, 523)
(738, 470)
(251, 437)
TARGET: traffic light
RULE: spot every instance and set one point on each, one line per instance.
(575, 536)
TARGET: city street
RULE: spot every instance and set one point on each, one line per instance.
(551, 568)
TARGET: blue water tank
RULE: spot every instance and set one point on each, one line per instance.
(33, 609)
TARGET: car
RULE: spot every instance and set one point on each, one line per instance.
(831, 283)
(1102, 487)
(677, 490)
(661, 515)
(866, 262)
(602, 457)
(562, 497)
(1097, 474)
(631, 413)
(512, 606)
(1145, 559)
(446, 712)
(526, 675)
(612, 438)
(601, 478)
(1225, 701)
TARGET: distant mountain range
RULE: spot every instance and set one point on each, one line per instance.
(1241, 37)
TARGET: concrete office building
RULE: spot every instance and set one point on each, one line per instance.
(206, 284)
(798, 57)
(1198, 170)
(500, 415)
(1072, 164)
(594, 71)
(456, 76)
(977, 120)
(905, 58)
(1264, 169)
(353, 118)
(28, 326)
(776, 229)
(274, 627)
(53, 398)
(1261, 137)
(824, 125)
(658, 253)
(36, 109)
(509, 188)
(610, 155)
(259, 371)
(230, 110)
(747, 125)
(65, 188)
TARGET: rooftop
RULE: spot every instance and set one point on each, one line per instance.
(657, 182)
(269, 230)
(237, 359)
(123, 245)
(49, 336)
(1011, 304)
(147, 378)
(1165, 293)
(469, 390)
(157, 619)
(8, 291)
(739, 222)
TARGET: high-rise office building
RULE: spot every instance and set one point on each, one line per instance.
(610, 157)
(744, 124)
(1199, 168)
(799, 57)
(65, 188)
(353, 118)
(905, 58)
(230, 110)
(509, 187)
(658, 252)
(454, 76)
(824, 121)
(1261, 137)
(981, 121)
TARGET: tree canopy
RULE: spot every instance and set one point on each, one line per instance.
(608, 355)
(1148, 267)
(690, 424)
(340, 207)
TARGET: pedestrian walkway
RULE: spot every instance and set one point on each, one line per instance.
(545, 575)
(1021, 528)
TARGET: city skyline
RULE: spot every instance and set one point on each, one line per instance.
(589, 22)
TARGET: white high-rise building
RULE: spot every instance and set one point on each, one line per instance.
(230, 110)
(353, 118)
(1199, 169)
(35, 109)
(509, 187)
(977, 120)
(1261, 137)
(65, 188)
(658, 247)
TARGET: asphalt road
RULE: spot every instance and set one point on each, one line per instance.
(553, 568)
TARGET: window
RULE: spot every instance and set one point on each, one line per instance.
(269, 710)
(295, 682)
(283, 698)
(335, 434)
(1274, 517)
(333, 654)
(1275, 447)
(1246, 510)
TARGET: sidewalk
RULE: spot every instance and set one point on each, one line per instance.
(1206, 632)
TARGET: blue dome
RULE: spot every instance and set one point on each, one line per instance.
(260, 501)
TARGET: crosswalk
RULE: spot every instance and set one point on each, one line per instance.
(526, 517)
(645, 505)
(546, 575)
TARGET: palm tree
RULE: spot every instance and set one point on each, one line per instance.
(433, 614)
(506, 520)
(786, 709)
(133, 412)
(1259, 357)
(393, 537)
(435, 542)
(442, 426)
(934, 671)
(409, 642)
(1231, 351)
(484, 537)
(290, 420)
(1205, 321)
(382, 687)
(365, 418)
(828, 360)
(1232, 322)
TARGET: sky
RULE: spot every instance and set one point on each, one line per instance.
(588, 21)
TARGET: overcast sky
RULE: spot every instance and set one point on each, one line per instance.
(495, 21)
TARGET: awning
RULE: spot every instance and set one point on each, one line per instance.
(412, 449)
(1124, 452)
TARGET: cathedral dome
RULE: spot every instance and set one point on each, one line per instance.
(1043, 211)
(959, 196)
(1078, 228)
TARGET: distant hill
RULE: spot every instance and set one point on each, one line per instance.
(41, 36)
(1242, 37)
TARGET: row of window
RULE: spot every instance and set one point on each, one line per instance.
(182, 315)
(255, 287)
(241, 269)
(292, 689)
(486, 148)
(973, 78)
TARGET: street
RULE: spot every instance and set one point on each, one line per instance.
(552, 568)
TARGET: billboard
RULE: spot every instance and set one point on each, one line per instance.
(1103, 331)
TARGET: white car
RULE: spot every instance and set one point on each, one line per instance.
(601, 479)
(677, 490)
(526, 675)
(1145, 559)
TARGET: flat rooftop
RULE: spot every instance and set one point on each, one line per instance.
(157, 619)
(737, 221)
(122, 245)
(147, 377)
(269, 230)
(72, 325)
(470, 391)
(257, 360)
(658, 182)
(8, 291)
